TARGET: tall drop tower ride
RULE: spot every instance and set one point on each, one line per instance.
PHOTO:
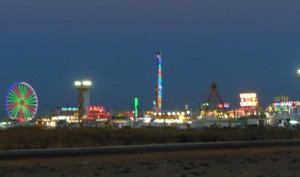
(159, 84)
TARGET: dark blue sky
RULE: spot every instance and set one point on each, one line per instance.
(242, 45)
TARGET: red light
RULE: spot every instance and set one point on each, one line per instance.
(226, 105)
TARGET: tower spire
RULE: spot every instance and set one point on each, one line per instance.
(159, 83)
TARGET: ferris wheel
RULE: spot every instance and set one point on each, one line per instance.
(21, 102)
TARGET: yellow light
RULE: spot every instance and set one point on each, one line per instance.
(86, 83)
(248, 95)
(77, 83)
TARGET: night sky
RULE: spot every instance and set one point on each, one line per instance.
(242, 45)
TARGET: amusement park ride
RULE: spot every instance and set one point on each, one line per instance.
(214, 105)
(158, 88)
(21, 102)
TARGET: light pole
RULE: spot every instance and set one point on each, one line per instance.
(83, 88)
(299, 74)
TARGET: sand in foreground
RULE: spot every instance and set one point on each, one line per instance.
(252, 162)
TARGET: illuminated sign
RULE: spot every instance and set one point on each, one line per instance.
(97, 112)
(69, 109)
(248, 100)
(288, 104)
(96, 109)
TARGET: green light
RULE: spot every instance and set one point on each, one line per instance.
(136, 105)
(21, 101)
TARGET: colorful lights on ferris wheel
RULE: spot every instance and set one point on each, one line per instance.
(21, 102)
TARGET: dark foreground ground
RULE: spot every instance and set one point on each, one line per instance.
(249, 162)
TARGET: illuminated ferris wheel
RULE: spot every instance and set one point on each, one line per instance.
(21, 102)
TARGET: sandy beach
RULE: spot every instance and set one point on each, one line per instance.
(252, 162)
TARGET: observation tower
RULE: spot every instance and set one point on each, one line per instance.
(83, 88)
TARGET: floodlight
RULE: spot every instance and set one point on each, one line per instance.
(86, 83)
(77, 83)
